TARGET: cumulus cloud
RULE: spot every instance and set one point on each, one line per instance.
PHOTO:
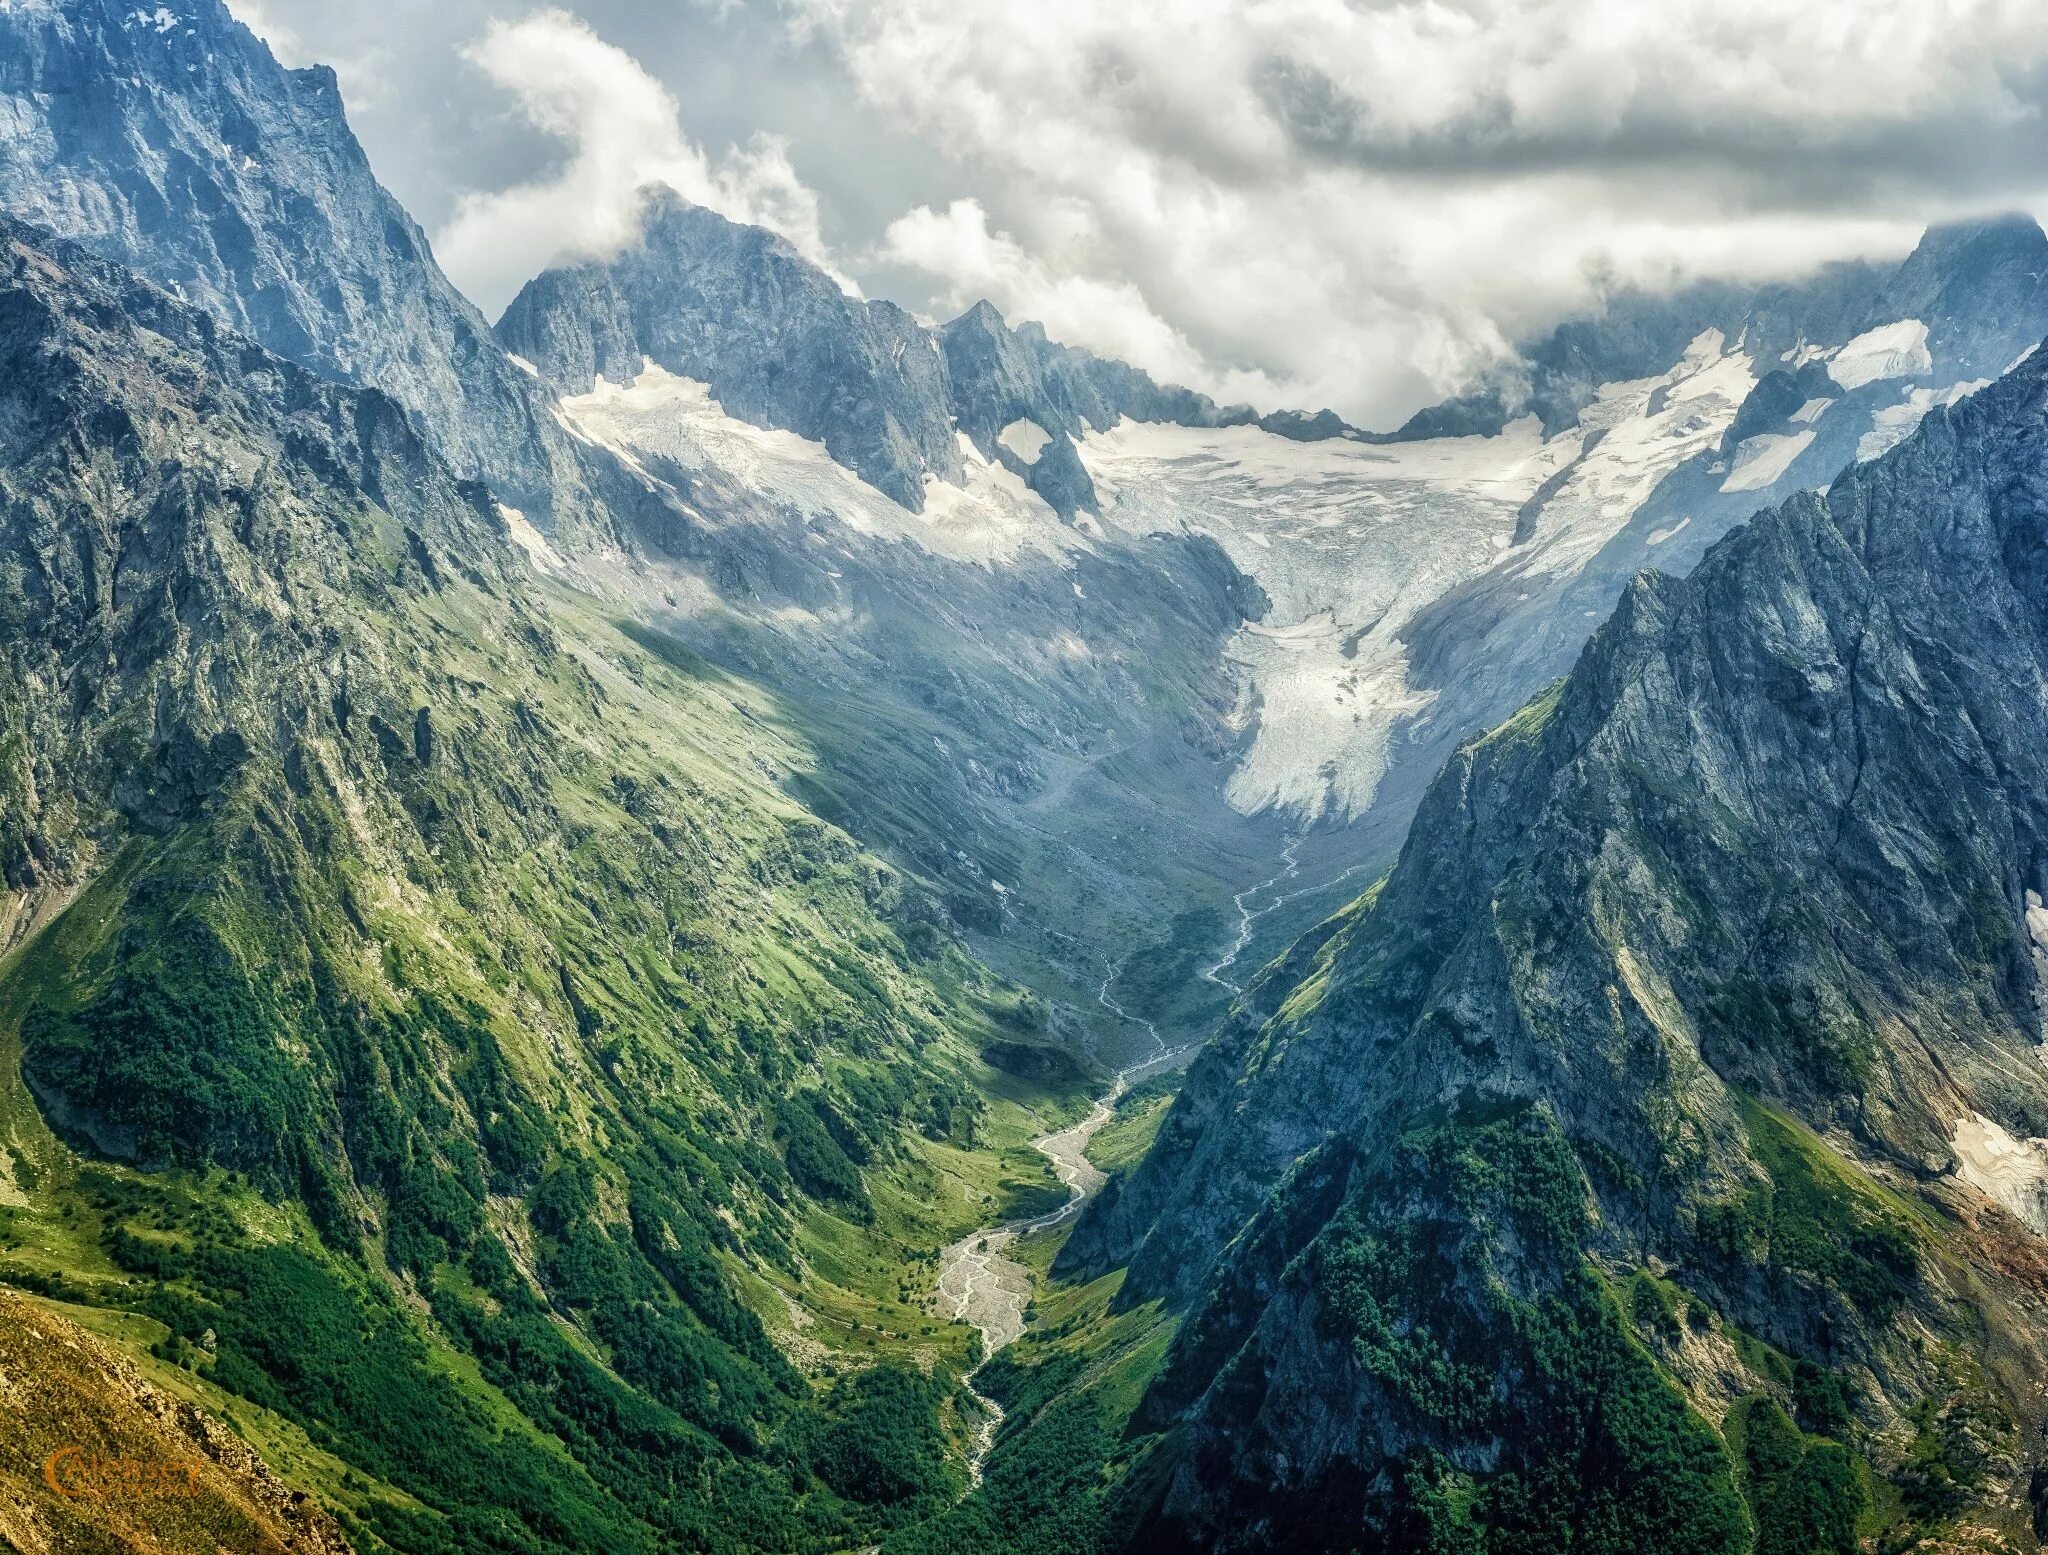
(623, 131)
(1320, 201)
(969, 262)
(1351, 202)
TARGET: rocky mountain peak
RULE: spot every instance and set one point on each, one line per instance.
(169, 139)
(781, 344)
(1979, 288)
(776, 340)
(1738, 914)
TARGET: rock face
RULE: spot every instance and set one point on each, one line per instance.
(777, 340)
(780, 344)
(116, 581)
(1655, 1044)
(169, 139)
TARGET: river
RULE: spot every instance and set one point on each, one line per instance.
(984, 1286)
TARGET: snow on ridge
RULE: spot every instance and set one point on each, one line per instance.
(529, 539)
(1896, 350)
(993, 518)
(1891, 425)
(1025, 438)
(1762, 460)
(1670, 532)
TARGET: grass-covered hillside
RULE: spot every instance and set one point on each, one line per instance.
(428, 1037)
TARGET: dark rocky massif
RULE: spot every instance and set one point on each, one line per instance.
(169, 140)
(780, 344)
(1646, 1096)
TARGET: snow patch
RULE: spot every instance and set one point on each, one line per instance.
(1659, 536)
(1762, 460)
(1025, 438)
(2014, 1172)
(1893, 424)
(529, 539)
(1891, 351)
(522, 364)
(990, 519)
(1809, 413)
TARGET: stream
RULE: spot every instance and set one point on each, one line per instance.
(978, 1282)
(977, 1278)
(1248, 917)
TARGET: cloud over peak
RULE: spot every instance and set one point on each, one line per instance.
(623, 131)
(1357, 203)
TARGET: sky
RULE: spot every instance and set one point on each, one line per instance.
(1353, 203)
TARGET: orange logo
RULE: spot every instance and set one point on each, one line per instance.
(74, 1473)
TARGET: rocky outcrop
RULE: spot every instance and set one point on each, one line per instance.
(1981, 287)
(154, 607)
(1688, 973)
(781, 344)
(778, 341)
(97, 1457)
(168, 138)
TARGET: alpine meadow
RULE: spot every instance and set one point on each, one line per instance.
(1221, 777)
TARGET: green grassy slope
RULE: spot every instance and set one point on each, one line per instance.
(429, 1034)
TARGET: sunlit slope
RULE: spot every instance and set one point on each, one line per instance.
(506, 1086)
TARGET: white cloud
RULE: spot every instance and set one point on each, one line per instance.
(1319, 201)
(957, 249)
(256, 15)
(623, 130)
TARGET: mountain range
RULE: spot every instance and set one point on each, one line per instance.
(555, 874)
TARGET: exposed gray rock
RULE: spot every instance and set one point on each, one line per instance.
(778, 342)
(169, 139)
(1771, 842)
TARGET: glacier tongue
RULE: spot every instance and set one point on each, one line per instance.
(1346, 540)
(1349, 541)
